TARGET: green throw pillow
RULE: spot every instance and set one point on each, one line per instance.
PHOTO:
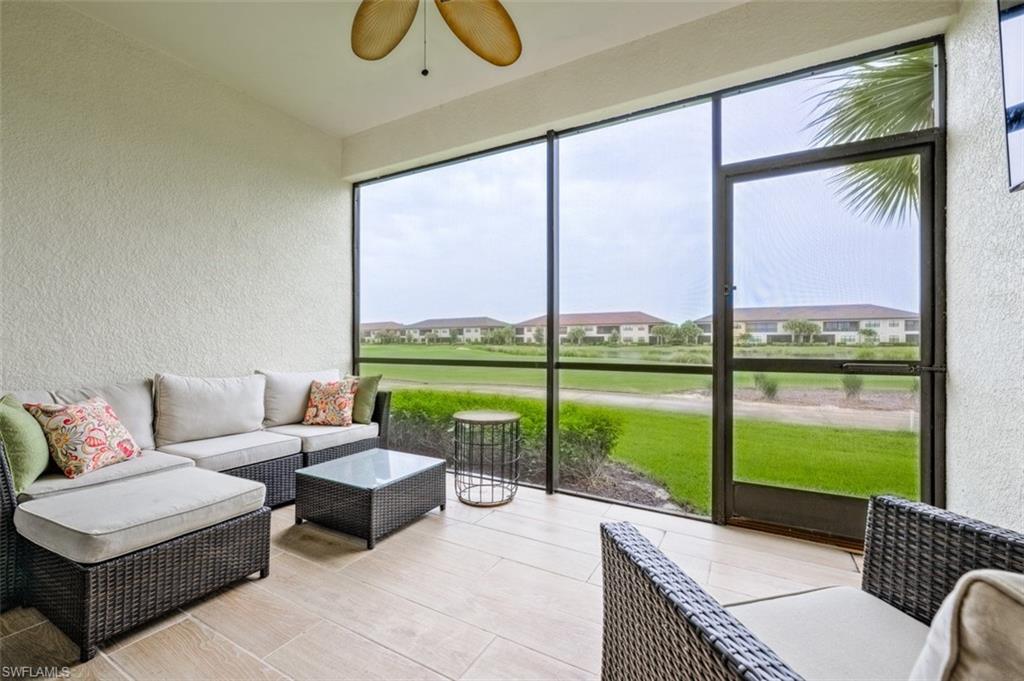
(366, 397)
(24, 443)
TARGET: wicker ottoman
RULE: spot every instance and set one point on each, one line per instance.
(369, 494)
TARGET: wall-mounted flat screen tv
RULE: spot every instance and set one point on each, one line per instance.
(1011, 34)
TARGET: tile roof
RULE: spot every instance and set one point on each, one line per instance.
(597, 319)
(458, 322)
(816, 312)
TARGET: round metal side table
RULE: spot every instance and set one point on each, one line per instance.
(486, 457)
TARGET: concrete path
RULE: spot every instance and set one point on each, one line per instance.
(689, 403)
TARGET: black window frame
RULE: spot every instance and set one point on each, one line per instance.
(932, 367)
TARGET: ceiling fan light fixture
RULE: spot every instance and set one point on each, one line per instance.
(483, 26)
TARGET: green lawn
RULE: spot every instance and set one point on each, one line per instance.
(583, 379)
(675, 450)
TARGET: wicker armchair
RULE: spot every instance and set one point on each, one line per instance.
(660, 624)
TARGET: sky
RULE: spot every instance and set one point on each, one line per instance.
(635, 225)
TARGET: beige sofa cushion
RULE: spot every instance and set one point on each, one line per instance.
(978, 632)
(191, 408)
(315, 438)
(287, 394)
(33, 396)
(132, 401)
(149, 461)
(101, 522)
(232, 451)
(838, 633)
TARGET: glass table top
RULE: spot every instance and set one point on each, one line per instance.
(372, 468)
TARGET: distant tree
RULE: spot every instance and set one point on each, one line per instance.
(576, 335)
(662, 333)
(614, 338)
(688, 332)
(744, 339)
(868, 336)
(538, 335)
(802, 330)
(503, 335)
(430, 337)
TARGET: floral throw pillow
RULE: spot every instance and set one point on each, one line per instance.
(330, 404)
(84, 436)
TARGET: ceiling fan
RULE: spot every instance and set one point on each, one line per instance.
(484, 26)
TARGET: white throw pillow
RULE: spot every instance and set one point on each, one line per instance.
(287, 394)
(978, 632)
(191, 408)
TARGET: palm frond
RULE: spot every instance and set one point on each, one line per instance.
(873, 99)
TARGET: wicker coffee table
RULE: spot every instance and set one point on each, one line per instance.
(369, 494)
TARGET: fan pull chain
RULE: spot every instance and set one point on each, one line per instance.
(425, 72)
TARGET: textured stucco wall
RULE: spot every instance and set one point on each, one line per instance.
(740, 45)
(985, 243)
(156, 220)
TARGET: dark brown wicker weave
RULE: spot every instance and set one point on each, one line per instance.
(92, 603)
(369, 514)
(659, 624)
(381, 416)
(9, 575)
(914, 553)
(277, 474)
(331, 453)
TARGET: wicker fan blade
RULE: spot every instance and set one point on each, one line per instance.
(380, 25)
(485, 27)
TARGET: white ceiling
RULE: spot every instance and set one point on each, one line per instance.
(296, 56)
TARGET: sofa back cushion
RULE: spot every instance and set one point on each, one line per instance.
(976, 634)
(132, 401)
(287, 394)
(192, 408)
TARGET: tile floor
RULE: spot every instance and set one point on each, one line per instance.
(506, 593)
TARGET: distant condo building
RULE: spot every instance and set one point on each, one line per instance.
(835, 324)
(598, 327)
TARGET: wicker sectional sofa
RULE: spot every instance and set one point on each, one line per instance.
(660, 624)
(109, 550)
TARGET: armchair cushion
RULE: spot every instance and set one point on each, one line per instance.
(977, 633)
(836, 633)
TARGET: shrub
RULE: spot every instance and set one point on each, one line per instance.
(769, 387)
(852, 385)
(421, 421)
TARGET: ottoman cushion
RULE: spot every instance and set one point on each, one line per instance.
(101, 522)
